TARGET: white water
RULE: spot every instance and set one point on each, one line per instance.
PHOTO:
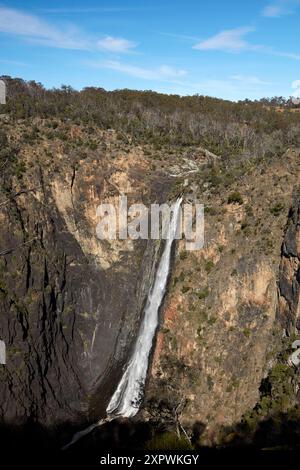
(126, 400)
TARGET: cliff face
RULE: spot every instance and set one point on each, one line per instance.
(70, 303)
(289, 274)
(220, 331)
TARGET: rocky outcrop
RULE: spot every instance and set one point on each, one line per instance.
(70, 304)
(220, 332)
(288, 311)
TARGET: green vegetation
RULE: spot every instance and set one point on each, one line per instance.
(3, 139)
(203, 294)
(247, 332)
(209, 266)
(183, 255)
(168, 441)
(277, 209)
(275, 417)
(210, 382)
(93, 145)
(185, 289)
(158, 119)
(249, 210)
(235, 198)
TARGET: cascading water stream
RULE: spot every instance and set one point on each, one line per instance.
(126, 400)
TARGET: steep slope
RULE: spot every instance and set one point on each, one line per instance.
(70, 303)
(220, 333)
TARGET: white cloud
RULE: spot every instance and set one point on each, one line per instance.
(230, 40)
(288, 55)
(231, 88)
(163, 72)
(272, 11)
(112, 44)
(239, 86)
(36, 30)
(296, 92)
(249, 80)
(168, 71)
(296, 84)
(279, 8)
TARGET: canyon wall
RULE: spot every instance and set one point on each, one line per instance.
(70, 304)
(230, 304)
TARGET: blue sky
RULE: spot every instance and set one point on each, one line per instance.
(224, 48)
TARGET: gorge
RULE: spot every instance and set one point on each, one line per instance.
(78, 314)
(127, 398)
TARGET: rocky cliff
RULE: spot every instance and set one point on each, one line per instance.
(221, 334)
(289, 275)
(71, 304)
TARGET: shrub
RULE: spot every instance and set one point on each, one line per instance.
(203, 294)
(210, 382)
(183, 255)
(3, 139)
(210, 210)
(208, 266)
(19, 169)
(247, 332)
(275, 210)
(168, 441)
(185, 289)
(93, 145)
(212, 320)
(235, 198)
(249, 210)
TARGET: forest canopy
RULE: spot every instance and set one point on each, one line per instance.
(230, 129)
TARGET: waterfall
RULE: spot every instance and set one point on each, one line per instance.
(125, 402)
(126, 399)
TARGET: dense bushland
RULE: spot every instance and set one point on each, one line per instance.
(245, 129)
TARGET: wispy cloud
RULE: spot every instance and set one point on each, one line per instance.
(117, 45)
(163, 72)
(288, 55)
(235, 85)
(272, 11)
(236, 82)
(183, 37)
(249, 80)
(36, 30)
(230, 40)
(279, 8)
